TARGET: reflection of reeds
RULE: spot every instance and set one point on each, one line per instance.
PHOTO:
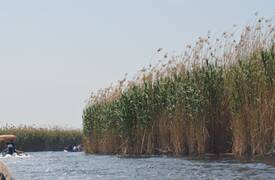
(213, 98)
(42, 139)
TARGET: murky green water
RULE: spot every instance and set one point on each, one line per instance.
(61, 165)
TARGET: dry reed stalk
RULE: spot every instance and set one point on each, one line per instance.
(214, 98)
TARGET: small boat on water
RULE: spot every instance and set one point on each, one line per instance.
(10, 151)
(16, 154)
(72, 148)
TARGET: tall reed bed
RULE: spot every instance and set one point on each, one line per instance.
(218, 96)
(42, 139)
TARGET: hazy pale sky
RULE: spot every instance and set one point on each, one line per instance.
(54, 53)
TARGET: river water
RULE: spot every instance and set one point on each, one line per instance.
(61, 165)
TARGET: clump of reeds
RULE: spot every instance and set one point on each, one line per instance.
(42, 139)
(217, 97)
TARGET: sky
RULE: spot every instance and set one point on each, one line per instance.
(55, 53)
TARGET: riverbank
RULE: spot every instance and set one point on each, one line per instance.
(42, 139)
(216, 97)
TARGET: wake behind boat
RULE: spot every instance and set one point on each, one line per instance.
(14, 155)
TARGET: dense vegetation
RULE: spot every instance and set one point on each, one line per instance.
(219, 96)
(42, 139)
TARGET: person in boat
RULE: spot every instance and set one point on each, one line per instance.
(75, 149)
(10, 147)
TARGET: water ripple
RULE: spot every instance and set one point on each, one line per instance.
(60, 165)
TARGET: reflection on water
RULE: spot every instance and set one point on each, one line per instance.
(61, 165)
